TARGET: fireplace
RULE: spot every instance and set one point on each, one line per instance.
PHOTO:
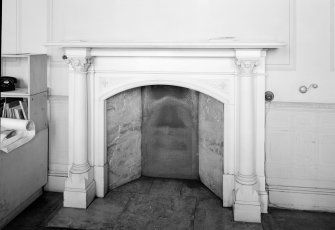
(165, 131)
(231, 72)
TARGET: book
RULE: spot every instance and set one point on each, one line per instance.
(24, 109)
(21, 114)
(17, 111)
(2, 109)
(14, 103)
(8, 112)
(11, 113)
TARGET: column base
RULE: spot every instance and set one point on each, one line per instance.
(247, 206)
(79, 190)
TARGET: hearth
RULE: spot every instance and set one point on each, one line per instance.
(231, 72)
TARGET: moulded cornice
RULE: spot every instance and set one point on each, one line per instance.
(174, 45)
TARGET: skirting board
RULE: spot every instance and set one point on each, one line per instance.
(302, 199)
(56, 183)
(20, 208)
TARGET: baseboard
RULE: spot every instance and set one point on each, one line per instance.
(302, 198)
(56, 182)
(4, 221)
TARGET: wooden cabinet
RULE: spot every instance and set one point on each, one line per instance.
(30, 70)
(23, 171)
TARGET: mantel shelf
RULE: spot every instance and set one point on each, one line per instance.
(173, 45)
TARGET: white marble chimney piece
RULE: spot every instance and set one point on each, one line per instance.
(231, 72)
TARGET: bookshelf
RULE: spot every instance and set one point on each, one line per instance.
(30, 70)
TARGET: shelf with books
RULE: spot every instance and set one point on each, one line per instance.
(29, 99)
(16, 108)
(31, 107)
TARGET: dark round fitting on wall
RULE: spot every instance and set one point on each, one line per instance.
(269, 96)
(64, 57)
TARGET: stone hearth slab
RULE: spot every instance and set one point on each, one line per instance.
(196, 189)
(152, 203)
(158, 212)
(141, 186)
(166, 187)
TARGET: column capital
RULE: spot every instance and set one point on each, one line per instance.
(79, 64)
(246, 67)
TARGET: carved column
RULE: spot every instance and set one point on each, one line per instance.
(79, 186)
(247, 204)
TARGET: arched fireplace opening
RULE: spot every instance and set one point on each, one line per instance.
(165, 131)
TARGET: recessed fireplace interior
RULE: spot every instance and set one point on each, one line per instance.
(165, 131)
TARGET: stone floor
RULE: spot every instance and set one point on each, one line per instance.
(152, 203)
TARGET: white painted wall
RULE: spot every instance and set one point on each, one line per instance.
(307, 26)
(24, 26)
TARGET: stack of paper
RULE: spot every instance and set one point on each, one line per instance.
(15, 133)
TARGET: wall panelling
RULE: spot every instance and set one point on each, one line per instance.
(300, 155)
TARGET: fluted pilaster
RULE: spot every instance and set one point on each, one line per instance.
(246, 205)
(80, 186)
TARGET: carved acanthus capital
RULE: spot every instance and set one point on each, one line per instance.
(79, 64)
(246, 67)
